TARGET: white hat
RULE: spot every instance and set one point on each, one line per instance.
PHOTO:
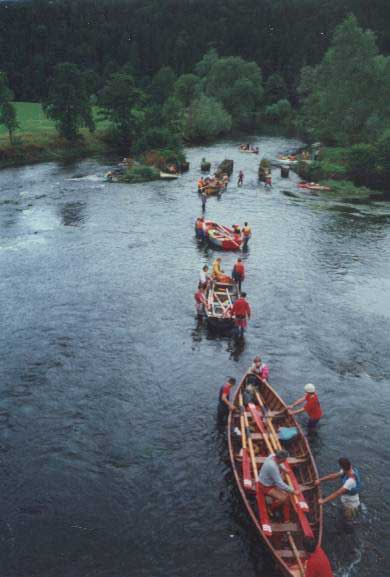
(310, 388)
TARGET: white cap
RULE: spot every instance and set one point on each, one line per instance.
(310, 388)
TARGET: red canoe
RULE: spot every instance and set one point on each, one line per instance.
(222, 237)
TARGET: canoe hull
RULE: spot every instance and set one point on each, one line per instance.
(220, 297)
(304, 468)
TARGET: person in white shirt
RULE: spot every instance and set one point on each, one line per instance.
(349, 490)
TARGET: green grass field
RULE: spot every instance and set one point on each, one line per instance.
(34, 123)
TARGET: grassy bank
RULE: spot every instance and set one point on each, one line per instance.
(36, 139)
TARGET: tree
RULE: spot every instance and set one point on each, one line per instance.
(342, 95)
(162, 84)
(187, 87)
(174, 116)
(206, 119)
(68, 101)
(204, 66)
(275, 88)
(280, 113)
(238, 85)
(7, 109)
(121, 102)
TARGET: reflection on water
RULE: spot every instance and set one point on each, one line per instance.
(109, 384)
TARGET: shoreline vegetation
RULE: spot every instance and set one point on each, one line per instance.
(340, 103)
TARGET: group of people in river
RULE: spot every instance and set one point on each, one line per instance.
(240, 309)
(272, 473)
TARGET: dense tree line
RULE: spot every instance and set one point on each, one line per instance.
(101, 36)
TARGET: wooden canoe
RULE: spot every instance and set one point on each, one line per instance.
(220, 297)
(224, 240)
(284, 538)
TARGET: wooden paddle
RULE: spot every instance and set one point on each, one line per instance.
(246, 474)
(296, 554)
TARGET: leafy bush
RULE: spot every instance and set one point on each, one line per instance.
(206, 119)
(156, 138)
(140, 173)
(361, 160)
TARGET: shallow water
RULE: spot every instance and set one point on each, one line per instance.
(111, 463)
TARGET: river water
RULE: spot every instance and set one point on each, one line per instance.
(111, 464)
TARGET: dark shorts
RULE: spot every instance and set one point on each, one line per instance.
(312, 424)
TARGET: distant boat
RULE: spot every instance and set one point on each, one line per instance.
(168, 176)
(314, 186)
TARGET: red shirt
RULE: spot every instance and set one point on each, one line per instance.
(240, 270)
(225, 390)
(199, 297)
(312, 406)
(241, 308)
(318, 565)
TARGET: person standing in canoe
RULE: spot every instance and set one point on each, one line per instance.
(312, 407)
(246, 235)
(317, 562)
(349, 490)
(200, 301)
(241, 311)
(224, 403)
(238, 273)
(240, 181)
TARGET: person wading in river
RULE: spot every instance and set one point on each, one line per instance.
(246, 235)
(312, 407)
(242, 313)
(238, 273)
(317, 562)
(224, 403)
(349, 490)
(240, 180)
(204, 200)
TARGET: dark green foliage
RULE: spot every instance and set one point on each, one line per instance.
(361, 160)
(121, 103)
(345, 98)
(68, 101)
(156, 138)
(188, 87)
(275, 89)
(206, 119)
(162, 84)
(238, 85)
(140, 173)
(7, 110)
(280, 113)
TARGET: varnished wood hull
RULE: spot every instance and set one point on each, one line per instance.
(304, 468)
